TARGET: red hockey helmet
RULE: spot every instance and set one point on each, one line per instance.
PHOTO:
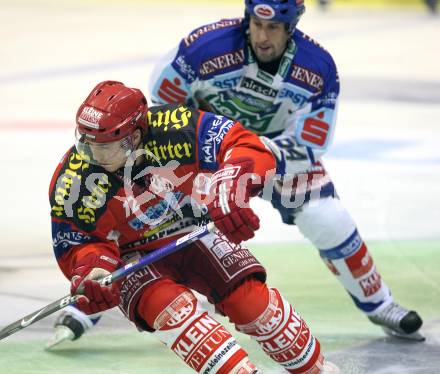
(111, 112)
(106, 121)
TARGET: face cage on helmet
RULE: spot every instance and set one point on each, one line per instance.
(86, 148)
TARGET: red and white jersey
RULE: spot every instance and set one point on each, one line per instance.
(143, 207)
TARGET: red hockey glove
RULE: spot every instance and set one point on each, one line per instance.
(95, 298)
(231, 187)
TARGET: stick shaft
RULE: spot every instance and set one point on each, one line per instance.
(158, 254)
(116, 275)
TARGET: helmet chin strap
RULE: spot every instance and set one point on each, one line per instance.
(131, 148)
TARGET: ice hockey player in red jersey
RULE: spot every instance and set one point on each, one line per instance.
(138, 178)
(278, 82)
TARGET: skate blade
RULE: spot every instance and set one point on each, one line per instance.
(415, 336)
(62, 334)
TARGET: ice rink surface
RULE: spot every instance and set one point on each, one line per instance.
(385, 159)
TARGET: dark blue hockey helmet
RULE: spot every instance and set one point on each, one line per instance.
(285, 11)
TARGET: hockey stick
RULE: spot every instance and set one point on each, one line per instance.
(116, 275)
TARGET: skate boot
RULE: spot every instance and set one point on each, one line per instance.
(70, 325)
(399, 322)
(330, 368)
(323, 366)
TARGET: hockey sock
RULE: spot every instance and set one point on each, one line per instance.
(184, 327)
(354, 267)
(270, 320)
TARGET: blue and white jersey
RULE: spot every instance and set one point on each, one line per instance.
(213, 68)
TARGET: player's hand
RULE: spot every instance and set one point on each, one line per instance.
(231, 189)
(94, 297)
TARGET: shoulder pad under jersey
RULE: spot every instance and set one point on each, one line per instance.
(171, 134)
(312, 65)
(212, 49)
(81, 191)
(205, 35)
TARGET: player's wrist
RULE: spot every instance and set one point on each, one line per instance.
(94, 265)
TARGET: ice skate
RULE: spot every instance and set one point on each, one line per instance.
(70, 325)
(399, 322)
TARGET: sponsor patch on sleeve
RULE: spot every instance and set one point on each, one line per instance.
(210, 139)
(314, 129)
(65, 237)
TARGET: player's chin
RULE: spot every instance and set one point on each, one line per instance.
(265, 55)
(111, 168)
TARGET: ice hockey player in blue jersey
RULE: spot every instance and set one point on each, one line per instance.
(280, 83)
(284, 86)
